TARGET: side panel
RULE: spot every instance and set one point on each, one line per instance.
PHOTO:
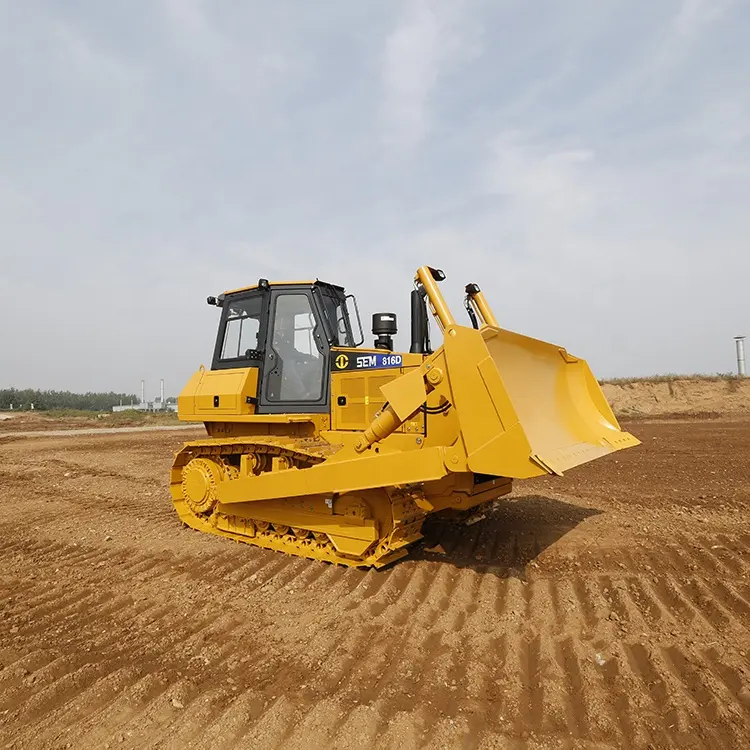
(356, 398)
(211, 395)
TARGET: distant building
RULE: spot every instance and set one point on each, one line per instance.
(158, 404)
(147, 406)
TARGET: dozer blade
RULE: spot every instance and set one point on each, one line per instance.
(527, 407)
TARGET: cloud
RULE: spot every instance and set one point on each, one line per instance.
(410, 72)
(544, 186)
(88, 61)
(694, 16)
(428, 38)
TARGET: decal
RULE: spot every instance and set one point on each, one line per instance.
(366, 361)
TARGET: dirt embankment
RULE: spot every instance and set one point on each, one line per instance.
(681, 396)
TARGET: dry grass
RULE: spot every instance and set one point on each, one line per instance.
(112, 419)
(133, 417)
(75, 418)
(669, 377)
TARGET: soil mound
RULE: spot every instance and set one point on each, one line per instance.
(679, 397)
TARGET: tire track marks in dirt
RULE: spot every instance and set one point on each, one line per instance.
(165, 638)
(105, 658)
(447, 608)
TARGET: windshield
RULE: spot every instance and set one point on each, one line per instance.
(242, 328)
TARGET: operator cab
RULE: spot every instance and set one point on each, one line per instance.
(286, 331)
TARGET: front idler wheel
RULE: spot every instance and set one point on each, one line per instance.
(200, 478)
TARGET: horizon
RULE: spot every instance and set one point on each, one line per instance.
(618, 380)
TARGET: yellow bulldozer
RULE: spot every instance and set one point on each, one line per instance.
(320, 447)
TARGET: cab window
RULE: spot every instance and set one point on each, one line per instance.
(242, 329)
(338, 316)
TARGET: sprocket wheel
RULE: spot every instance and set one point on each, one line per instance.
(199, 480)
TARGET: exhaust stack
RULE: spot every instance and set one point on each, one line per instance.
(418, 322)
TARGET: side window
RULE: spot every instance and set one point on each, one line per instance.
(298, 372)
(242, 328)
(338, 316)
(342, 327)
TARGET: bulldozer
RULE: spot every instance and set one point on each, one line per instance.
(321, 447)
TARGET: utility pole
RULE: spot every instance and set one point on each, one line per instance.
(740, 344)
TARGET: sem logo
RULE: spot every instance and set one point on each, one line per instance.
(342, 361)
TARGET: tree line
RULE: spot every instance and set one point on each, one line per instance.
(24, 398)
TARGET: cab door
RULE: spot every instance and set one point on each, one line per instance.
(296, 367)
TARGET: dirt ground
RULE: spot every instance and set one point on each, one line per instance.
(608, 608)
(38, 421)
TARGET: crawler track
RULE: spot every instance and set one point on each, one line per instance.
(610, 608)
(266, 525)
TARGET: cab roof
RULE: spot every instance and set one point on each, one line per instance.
(309, 282)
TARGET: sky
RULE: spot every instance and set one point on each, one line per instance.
(586, 162)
